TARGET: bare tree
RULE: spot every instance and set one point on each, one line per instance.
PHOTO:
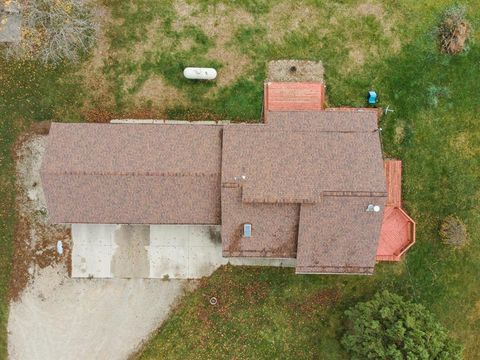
(54, 31)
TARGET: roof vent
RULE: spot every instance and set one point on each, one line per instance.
(247, 230)
(374, 208)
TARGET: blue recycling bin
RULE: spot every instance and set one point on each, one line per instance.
(372, 97)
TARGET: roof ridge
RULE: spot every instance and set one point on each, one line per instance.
(358, 193)
(128, 173)
(266, 128)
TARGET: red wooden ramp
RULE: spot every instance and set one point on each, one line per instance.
(398, 229)
(294, 96)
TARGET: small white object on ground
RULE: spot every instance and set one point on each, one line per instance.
(196, 73)
(59, 247)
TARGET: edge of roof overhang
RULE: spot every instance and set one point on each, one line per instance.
(340, 270)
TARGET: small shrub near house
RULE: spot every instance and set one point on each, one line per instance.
(387, 327)
(453, 30)
(453, 232)
(54, 31)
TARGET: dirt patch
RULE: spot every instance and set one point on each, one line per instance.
(295, 70)
(161, 94)
(104, 116)
(35, 240)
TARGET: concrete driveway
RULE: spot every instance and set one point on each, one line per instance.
(152, 251)
(143, 251)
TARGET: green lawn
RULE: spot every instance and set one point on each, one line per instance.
(272, 313)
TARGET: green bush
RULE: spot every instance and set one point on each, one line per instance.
(387, 327)
(453, 231)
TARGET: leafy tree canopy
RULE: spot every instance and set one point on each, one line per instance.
(387, 327)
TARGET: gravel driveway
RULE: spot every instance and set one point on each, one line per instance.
(58, 317)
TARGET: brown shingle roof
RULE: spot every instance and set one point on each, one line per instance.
(299, 166)
(337, 235)
(274, 227)
(339, 121)
(303, 178)
(126, 173)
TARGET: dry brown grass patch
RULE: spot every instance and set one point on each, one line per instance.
(91, 71)
(463, 144)
(219, 23)
(287, 17)
(162, 94)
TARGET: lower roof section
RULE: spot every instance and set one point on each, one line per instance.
(126, 199)
(274, 227)
(333, 121)
(338, 235)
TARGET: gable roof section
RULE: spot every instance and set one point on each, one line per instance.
(127, 173)
(337, 235)
(282, 166)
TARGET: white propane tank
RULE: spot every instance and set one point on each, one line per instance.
(196, 73)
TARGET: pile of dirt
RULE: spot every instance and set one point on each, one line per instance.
(35, 240)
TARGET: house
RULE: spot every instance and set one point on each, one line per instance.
(308, 183)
